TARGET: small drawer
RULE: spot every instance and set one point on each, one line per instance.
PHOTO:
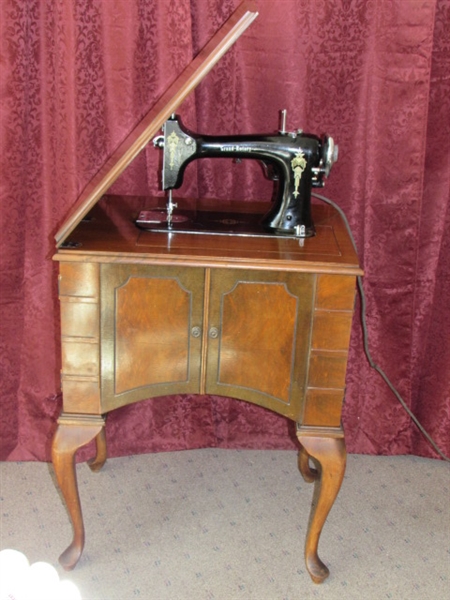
(327, 369)
(79, 279)
(323, 408)
(80, 358)
(81, 396)
(331, 330)
(79, 319)
(335, 292)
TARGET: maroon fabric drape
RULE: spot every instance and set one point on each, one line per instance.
(78, 75)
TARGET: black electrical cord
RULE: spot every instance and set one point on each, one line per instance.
(372, 363)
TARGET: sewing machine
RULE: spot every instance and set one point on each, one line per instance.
(294, 160)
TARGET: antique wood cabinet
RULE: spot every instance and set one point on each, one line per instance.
(265, 320)
(262, 319)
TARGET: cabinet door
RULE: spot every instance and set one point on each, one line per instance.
(259, 335)
(151, 319)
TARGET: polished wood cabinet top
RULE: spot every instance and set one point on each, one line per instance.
(109, 234)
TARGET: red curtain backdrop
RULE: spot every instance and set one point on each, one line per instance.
(77, 75)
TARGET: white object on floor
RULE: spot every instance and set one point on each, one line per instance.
(40, 581)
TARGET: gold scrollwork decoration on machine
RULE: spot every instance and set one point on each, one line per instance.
(173, 141)
(298, 164)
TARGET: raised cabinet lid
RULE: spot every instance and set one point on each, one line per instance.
(158, 114)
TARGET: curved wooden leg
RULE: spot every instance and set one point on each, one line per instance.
(308, 474)
(73, 432)
(95, 464)
(330, 453)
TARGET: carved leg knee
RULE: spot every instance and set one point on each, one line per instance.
(95, 464)
(308, 474)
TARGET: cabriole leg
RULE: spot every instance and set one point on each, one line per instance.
(73, 432)
(328, 451)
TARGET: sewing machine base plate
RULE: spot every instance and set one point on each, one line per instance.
(210, 223)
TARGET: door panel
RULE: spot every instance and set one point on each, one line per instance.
(152, 330)
(148, 316)
(260, 351)
(249, 344)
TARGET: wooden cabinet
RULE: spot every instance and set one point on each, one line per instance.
(263, 320)
(278, 339)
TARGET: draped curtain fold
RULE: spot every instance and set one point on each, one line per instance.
(77, 75)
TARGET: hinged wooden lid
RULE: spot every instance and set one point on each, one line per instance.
(158, 114)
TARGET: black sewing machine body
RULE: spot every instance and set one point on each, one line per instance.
(295, 161)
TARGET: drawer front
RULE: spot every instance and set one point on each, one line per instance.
(79, 297)
(330, 338)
